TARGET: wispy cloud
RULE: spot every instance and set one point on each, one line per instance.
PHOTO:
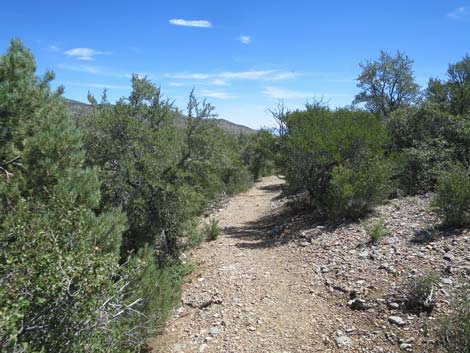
(282, 93)
(245, 39)
(98, 85)
(192, 23)
(285, 76)
(460, 13)
(53, 48)
(85, 54)
(217, 94)
(93, 70)
(218, 82)
(218, 78)
(176, 84)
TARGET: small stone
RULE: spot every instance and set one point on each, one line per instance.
(251, 328)
(396, 320)
(304, 244)
(213, 331)
(446, 281)
(405, 345)
(202, 348)
(393, 305)
(448, 257)
(357, 304)
(342, 341)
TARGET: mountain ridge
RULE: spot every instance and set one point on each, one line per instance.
(78, 108)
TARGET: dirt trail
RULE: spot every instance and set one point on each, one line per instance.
(278, 280)
(248, 294)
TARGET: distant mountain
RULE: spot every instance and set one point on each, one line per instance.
(78, 108)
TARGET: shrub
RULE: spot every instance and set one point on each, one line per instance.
(212, 229)
(419, 293)
(427, 140)
(455, 329)
(338, 157)
(453, 196)
(376, 231)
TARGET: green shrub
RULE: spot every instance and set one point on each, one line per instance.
(427, 140)
(212, 229)
(419, 293)
(376, 230)
(338, 157)
(455, 328)
(453, 196)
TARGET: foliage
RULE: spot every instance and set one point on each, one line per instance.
(427, 140)
(61, 285)
(455, 328)
(376, 231)
(259, 152)
(419, 293)
(337, 156)
(387, 84)
(453, 195)
(452, 95)
(212, 229)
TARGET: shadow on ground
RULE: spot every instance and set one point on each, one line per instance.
(282, 226)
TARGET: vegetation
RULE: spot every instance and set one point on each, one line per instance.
(212, 229)
(419, 295)
(455, 329)
(453, 195)
(387, 84)
(95, 209)
(92, 220)
(337, 157)
(376, 230)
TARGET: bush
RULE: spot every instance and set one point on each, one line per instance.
(455, 329)
(427, 141)
(338, 157)
(376, 231)
(212, 229)
(419, 293)
(453, 196)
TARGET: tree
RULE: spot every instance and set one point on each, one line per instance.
(387, 84)
(452, 95)
(59, 259)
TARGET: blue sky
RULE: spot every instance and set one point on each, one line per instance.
(242, 55)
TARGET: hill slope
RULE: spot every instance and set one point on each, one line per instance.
(78, 108)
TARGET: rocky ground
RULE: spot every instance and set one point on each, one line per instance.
(279, 281)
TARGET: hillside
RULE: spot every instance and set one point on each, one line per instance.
(78, 108)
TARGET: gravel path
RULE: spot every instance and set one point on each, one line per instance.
(247, 295)
(278, 281)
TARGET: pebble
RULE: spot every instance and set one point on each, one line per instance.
(342, 341)
(396, 320)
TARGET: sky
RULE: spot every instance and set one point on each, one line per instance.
(243, 56)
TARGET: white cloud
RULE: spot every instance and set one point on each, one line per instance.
(194, 76)
(54, 48)
(176, 84)
(97, 85)
(460, 13)
(282, 93)
(285, 76)
(85, 54)
(186, 23)
(220, 78)
(217, 94)
(218, 82)
(247, 75)
(245, 39)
